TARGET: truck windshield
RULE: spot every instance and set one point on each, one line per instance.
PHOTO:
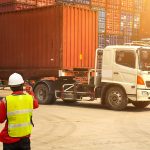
(144, 59)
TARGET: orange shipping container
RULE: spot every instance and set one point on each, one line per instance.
(145, 21)
(127, 5)
(98, 3)
(41, 41)
(113, 4)
(113, 21)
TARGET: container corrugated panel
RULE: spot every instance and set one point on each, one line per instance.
(6, 1)
(126, 23)
(29, 2)
(101, 20)
(113, 4)
(41, 3)
(80, 37)
(137, 18)
(38, 42)
(127, 39)
(98, 3)
(127, 5)
(48, 2)
(111, 40)
(135, 34)
(101, 40)
(14, 7)
(105, 40)
(113, 21)
(83, 2)
(139, 5)
(145, 23)
(120, 40)
(38, 3)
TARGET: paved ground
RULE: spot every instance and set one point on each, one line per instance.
(89, 126)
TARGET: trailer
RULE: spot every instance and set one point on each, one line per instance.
(39, 42)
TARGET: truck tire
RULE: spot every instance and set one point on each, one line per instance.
(116, 98)
(45, 92)
(140, 104)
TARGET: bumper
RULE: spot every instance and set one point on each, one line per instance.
(143, 95)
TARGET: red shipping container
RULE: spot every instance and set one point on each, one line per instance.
(41, 41)
(14, 7)
(29, 2)
(40, 3)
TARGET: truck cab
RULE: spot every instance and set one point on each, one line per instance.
(125, 76)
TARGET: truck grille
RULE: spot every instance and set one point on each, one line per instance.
(148, 83)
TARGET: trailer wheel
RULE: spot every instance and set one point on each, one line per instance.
(45, 92)
(116, 98)
(140, 104)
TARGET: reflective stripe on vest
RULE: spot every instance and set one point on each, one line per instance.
(19, 114)
(18, 125)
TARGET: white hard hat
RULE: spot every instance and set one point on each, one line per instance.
(15, 79)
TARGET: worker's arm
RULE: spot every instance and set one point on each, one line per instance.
(35, 101)
(29, 90)
(2, 110)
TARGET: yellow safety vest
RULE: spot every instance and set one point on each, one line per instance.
(19, 115)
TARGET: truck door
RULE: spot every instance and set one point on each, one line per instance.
(124, 70)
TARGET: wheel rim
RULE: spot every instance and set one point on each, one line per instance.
(41, 92)
(115, 98)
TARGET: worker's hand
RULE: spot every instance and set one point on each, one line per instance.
(28, 88)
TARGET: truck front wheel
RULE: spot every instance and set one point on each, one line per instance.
(140, 104)
(45, 92)
(116, 98)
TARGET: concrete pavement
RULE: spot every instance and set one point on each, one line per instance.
(89, 126)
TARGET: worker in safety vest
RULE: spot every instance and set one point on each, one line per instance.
(17, 109)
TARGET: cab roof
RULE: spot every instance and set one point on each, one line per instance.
(125, 47)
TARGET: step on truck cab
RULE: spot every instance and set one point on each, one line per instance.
(121, 76)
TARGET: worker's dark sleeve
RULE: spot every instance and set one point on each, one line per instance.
(2, 111)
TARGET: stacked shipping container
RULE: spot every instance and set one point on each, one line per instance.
(145, 21)
(13, 5)
(119, 21)
(98, 3)
(113, 17)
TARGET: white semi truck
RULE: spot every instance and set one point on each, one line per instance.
(121, 76)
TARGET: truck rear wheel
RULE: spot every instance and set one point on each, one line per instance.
(45, 92)
(116, 98)
(140, 104)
